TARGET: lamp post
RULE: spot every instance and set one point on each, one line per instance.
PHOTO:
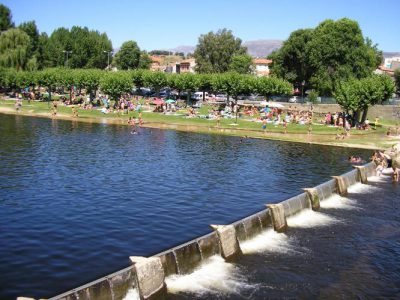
(302, 90)
(67, 52)
(108, 57)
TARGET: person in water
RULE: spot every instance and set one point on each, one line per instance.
(355, 159)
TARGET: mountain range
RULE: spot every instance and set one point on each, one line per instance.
(260, 48)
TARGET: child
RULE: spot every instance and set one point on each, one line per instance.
(379, 170)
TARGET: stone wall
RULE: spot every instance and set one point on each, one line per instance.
(390, 112)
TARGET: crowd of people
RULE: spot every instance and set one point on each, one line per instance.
(388, 159)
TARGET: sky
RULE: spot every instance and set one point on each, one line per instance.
(156, 24)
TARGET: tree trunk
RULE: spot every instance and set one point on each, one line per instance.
(364, 116)
(237, 109)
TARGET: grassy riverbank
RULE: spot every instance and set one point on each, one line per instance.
(321, 134)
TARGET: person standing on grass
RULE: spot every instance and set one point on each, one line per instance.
(264, 125)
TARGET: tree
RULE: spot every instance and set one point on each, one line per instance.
(5, 18)
(356, 96)
(145, 61)
(85, 48)
(214, 51)
(156, 80)
(115, 84)
(397, 79)
(59, 41)
(14, 48)
(31, 30)
(43, 53)
(291, 61)
(242, 64)
(268, 86)
(128, 57)
(50, 78)
(8, 78)
(186, 82)
(338, 51)
(88, 79)
(322, 57)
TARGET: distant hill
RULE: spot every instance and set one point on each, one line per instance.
(184, 49)
(390, 54)
(259, 48)
(262, 48)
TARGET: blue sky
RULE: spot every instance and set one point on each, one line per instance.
(156, 24)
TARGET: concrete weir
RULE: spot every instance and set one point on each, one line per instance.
(147, 275)
(314, 198)
(278, 217)
(229, 243)
(362, 174)
(150, 277)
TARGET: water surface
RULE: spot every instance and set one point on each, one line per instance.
(77, 199)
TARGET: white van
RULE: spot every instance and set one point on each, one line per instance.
(198, 96)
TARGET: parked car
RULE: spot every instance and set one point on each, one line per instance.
(221, 98)
(199, 96)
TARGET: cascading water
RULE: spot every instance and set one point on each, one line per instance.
(339, 202)
(213, 276)
(310, 218)
(268, 241)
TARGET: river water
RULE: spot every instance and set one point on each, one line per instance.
(77, 199)
(350, 249)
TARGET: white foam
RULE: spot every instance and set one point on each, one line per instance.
(214, 276)
(267, 241)
(381, 178)
(360, 188)
(132, 295)
(309, 218)
(338, 202)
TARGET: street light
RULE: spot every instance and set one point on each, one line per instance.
(302, 90)
(108, 57)
(67, 52)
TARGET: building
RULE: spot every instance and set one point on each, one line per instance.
(262, 66)
(389, 66)
(156, 63)
(187, 66)
(390, 62)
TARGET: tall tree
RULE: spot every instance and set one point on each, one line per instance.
(5, 18)
(14, 49)
(339, 51)
(397, 79)
(43, 53)
(242, 64)
(319, 58)
(128, 57)
(291, 61)
(59, 41)
(84, 48)
(31, 30)
(214, 51)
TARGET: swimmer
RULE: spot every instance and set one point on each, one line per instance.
(355, 159)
